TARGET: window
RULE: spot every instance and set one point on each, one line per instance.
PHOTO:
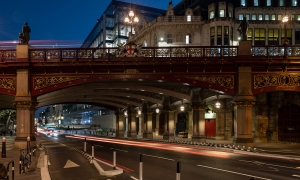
(170, 18)
(297, 36)
(253, 17)
(155, 40)
(259, 36)
(260, 17)
(169, 39)
(247, 17)
(255, 2)
(273, 17)
(243, 2)
(293, 17)
(230, 14)
(273, 35)
(298, 17)
(188, 18)
(222, 13)
(269, 2)
(188, 39)
(226, 36)
(279, 17)
(281, 2)
(212, 36)
(219, 35)
(211, 14)
(250, 34)
(288, 34)
(267, 17)
(241, 16)
(294, 2)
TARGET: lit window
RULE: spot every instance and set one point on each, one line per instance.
(253, 17)
(241, 16)
(269, 2)
(247, 17)
(281, 2)
(267, 17)
(294, 2)
(255, 2)
(293, 17)
(211, 14)
(188, 18)
(188, 39)
(273, 17)
(260, 17)
(230, 14)
(279, 17)
(222, 13)
(243, 2)
(298, 17)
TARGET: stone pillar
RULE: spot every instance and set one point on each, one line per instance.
(119, 124)
(220, 121)
(131, 123)
(148, 134)
(157, 123)
(25, 107)
(169, 133)
(190, 123)
(141, 122)
(243, 102)
(199, 124)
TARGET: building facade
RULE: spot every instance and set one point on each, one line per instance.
(111, 29)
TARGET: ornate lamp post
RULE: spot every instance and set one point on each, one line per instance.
(285, 41)
(131, 19)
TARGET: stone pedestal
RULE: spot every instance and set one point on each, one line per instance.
(199, 138)
(131, 134)
(244, 48)
(148, 135)
(169, 136)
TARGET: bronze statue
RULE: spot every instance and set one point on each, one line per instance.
(243, 29)
(24, 36)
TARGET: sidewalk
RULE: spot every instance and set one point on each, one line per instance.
(14, 155)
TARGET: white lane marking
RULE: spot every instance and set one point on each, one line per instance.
(119, 150)
(159, 157)
(70, 164)
(257, 162)
(232, 172)
(133, 178)
(295, 175)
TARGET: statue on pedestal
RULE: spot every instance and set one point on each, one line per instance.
(243, 29)
(24, 36)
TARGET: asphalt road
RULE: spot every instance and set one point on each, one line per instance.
(196, 162)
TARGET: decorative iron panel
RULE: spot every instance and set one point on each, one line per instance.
(262, 81)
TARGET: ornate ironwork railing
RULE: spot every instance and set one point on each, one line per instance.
(288, 50)
(8, 54)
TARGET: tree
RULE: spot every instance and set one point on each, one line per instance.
(6, 116)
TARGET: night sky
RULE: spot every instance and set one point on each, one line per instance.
(57, 20)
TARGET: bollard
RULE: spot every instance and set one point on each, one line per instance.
(84, 145)
(3, 147)
(114, 158)
(178, 171)
(92, 153)
(20, 165)
(141, 167)
(28, 144)
(12, 170)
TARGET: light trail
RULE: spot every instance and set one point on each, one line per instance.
(169, 147)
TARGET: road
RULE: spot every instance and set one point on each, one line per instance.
(196, 162)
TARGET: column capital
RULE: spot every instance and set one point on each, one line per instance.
(243, 103)
(25, 104)
(199, 108)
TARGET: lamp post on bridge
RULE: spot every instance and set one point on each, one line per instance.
(285, 41)
(131, 19)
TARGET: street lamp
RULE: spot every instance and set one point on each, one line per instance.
(285, 20)
(131, 19)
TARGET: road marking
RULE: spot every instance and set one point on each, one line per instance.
(232, 172)
(159, 157)
(257, 162)
(133, 178)
(295, 175)
(70, 164)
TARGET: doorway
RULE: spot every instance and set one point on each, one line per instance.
(210, 128)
